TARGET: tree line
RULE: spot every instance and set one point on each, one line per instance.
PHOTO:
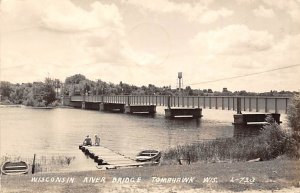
(38, 94)
(49, 92)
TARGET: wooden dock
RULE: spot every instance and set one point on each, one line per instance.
(109, 159)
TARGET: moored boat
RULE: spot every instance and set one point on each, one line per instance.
(14, 168)
(148, 155)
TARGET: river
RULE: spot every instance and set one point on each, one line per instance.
(45, 132)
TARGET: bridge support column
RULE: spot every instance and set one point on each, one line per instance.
(112, 107)
(183, 112)
(149, 109)
(258, 118)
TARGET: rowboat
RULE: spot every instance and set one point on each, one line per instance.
(14, 168)
(148, 155)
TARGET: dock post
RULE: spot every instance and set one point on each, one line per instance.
(238, 105)
(33, 165)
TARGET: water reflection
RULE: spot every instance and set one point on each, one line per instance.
(251, 130)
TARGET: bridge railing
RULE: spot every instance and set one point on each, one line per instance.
(247, 103)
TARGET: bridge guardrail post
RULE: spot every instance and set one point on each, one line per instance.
(266, 105)
(286, 105)
(276, 107)
(238, 105)
(128, 100)
(169, 101)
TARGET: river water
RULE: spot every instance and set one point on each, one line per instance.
(46, 132)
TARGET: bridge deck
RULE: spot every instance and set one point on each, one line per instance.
(265, 104)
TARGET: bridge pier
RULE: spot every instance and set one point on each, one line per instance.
(112, 107)
(91, 105)
(65, 101)
(244, 119)
(150, 109)
(75, 104)
(183, 112)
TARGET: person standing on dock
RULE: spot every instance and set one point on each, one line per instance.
(97, 140)
(87, 140)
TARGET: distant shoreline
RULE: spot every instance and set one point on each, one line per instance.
(10, 105)
(32, 107)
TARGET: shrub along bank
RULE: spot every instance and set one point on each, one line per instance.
(271, 142)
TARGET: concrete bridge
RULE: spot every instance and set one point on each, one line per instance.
(180, 105)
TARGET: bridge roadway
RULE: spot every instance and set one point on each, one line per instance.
(244, 103)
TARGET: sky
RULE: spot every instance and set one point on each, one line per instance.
(145, 42)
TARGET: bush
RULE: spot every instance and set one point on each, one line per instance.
(293, 113)
(6, 102)
(55, 104)
(271, 142)
(28, 102)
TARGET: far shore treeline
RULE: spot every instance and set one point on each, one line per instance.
(48, 93)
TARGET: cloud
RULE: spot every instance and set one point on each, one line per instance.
(42, 34)
(290, 7)
(233, 39)
(261, 11)
(197, 12)
(67, 17)
(214, 15)
(224, 62)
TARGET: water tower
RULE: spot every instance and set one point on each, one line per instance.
(180, 80)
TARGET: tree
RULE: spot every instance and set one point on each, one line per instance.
(75, 79)
(57, 84)
(189, 91)
(293, 113)
(48, 92)
(5, 89)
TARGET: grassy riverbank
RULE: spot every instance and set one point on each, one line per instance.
(271, 142)
(280, 174)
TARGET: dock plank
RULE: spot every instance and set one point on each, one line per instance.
(110, 157)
